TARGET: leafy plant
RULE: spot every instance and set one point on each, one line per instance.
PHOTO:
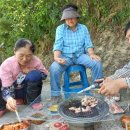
(38, 19)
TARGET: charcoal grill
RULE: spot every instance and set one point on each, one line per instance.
(95, 115)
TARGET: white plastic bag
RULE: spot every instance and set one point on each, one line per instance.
(114, 107)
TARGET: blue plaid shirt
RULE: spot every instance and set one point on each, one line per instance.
(72, 42)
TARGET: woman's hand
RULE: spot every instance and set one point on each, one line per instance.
(57, 58)
(94, 57)
(60, 60)
(92, 54)
(11, 104)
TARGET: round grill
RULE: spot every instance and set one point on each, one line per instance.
(96, 113)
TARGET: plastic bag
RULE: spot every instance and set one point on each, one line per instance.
(114, 107)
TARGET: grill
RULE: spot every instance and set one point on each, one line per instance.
(96, 113)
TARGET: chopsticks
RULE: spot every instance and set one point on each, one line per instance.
(17, 115)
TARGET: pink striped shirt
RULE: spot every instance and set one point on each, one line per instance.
(10, 69)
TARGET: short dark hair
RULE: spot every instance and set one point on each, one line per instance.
(127, 27)
(68, 6)
(22, 42)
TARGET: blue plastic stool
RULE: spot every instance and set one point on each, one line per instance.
(68, 86)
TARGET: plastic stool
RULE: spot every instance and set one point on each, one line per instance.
(67, 87)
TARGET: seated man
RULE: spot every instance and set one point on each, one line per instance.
(72, 45)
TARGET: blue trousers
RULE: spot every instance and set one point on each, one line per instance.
(32, 86)
(56, 71)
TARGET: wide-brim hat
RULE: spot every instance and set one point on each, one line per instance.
(69, 13)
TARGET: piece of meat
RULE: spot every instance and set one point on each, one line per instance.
(87, 109)
(87, 103)
(115, 108)
(72, 108)
(93, 104)
(76, 110)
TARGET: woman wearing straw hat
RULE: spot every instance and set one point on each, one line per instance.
(72, 45)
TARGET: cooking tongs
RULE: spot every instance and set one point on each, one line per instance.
(89, 88)
(92, 86)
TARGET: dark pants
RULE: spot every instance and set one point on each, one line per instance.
(32, 86)
(2, 102)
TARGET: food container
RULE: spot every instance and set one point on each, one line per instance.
(24, 125)
(37, 118)
(37, 122)
(125, 121)
(128, 125)
(53, 108)
(58, 126)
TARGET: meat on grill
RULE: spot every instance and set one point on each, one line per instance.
(87, 103)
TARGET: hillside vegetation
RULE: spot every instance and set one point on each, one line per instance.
(38, 19)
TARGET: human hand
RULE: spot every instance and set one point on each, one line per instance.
(11, 104)
(99, 80)
(94, 57)
(110, 87)
(60, 60)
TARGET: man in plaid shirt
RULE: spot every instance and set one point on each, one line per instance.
(72, 45)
